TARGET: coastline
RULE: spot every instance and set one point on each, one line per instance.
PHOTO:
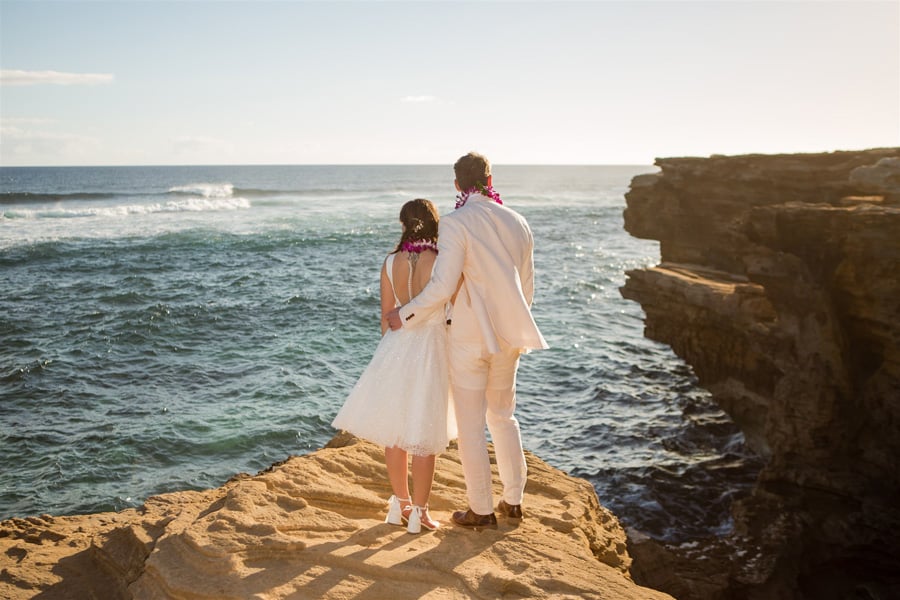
(783, 304)
(778, 284)
(312, 527)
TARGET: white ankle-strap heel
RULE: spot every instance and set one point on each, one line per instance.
(420, 518)
(395, 512)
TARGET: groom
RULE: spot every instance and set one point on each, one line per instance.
(486, 249)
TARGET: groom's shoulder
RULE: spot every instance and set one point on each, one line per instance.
(453, 217)
(452, 222)
(511, 212)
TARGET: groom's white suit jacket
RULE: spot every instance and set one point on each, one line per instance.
(492, 247)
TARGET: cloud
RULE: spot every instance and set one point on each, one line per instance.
(40, 147)
(418, 99)
(13, 122)
(16, 77)
(196, 147)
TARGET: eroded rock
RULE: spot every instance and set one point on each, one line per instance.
(779, 284)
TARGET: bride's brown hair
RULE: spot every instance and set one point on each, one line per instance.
(420, 218)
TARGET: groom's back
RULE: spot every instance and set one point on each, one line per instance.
(497, 234)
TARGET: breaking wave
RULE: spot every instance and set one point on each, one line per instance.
(205, 190)
(121, 210)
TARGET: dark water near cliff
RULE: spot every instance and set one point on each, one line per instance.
(165, 328)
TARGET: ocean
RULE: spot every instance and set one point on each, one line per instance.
(164, 328)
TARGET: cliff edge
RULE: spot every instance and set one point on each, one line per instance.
(312, 527)
(779, 283)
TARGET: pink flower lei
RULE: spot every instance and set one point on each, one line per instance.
(418, 246)
(484, 190)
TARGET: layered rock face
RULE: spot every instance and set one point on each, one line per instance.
(779, 284)
(312, 527)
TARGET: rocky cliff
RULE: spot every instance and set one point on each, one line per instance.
(779, 283)
(312, 527)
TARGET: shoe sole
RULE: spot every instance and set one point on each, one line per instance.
(473, 526)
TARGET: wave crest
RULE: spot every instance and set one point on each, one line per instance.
(189, 205)
(206, 190)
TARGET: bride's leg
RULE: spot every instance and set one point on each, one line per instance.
(422, 476)
(400, 504)
(397, 460)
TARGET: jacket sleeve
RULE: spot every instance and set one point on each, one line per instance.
(527, 274)
(444, 277)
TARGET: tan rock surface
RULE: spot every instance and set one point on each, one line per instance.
(312, 527)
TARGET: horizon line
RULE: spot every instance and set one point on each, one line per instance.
(653, 163)
(88, 166)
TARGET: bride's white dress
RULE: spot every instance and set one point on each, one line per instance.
(402, 397)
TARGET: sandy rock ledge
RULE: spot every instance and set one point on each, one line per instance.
(312, 527)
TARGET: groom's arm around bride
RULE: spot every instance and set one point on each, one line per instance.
(491, 247)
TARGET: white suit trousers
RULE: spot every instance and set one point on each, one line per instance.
(495, 407)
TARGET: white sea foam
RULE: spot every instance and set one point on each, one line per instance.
(122, 210)
(206, 190)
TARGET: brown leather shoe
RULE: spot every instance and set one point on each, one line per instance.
(469, 519)
(511, 511)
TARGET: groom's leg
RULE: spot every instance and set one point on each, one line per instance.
(507, 444)
(473, 453)
(468, 375)
(505, 433)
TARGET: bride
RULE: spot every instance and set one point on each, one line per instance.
(401, 400)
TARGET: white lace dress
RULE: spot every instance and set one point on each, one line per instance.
(402, 397)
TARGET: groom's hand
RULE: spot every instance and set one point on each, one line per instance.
(393, 319)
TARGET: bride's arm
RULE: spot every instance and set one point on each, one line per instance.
(387, 297)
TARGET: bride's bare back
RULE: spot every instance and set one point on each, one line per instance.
(405, 287)
(421, 264)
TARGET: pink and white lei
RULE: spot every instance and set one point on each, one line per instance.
(418, 246)
(484, 190)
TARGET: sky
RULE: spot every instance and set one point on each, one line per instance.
(589, 82)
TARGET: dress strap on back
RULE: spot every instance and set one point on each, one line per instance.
(389, 266)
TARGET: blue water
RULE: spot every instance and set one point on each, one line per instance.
(163, 328)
